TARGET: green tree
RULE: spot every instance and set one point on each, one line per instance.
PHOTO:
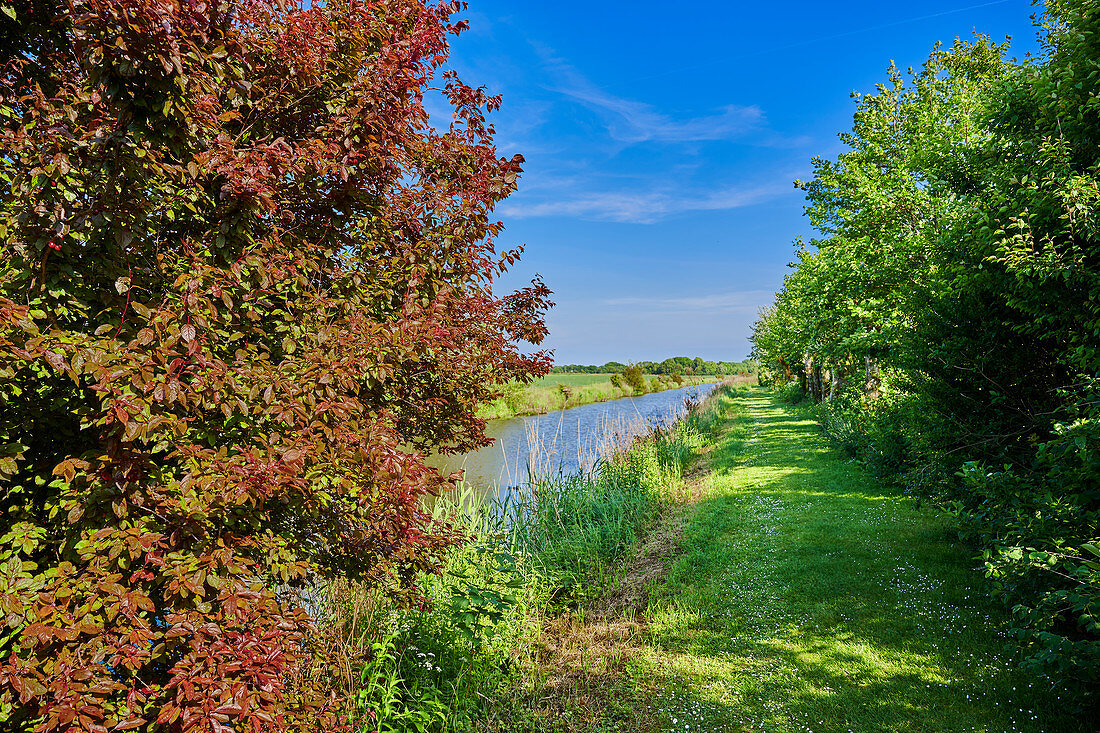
(881, 207)
(959, 254)
(635, 377)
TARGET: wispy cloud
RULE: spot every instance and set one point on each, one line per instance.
(630, 121)
(647, 207)
(733, 302)
(599, 156)
(522, 131)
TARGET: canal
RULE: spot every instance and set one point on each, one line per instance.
(567, 440)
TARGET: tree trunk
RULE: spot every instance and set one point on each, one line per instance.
(786, 370)
(872, 380)
(818, 382)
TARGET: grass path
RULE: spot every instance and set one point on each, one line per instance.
(807, 597)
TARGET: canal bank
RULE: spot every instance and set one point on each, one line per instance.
(557, 392)
(566, 441)
(800, 594)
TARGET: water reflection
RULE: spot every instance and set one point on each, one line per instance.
(568, 440)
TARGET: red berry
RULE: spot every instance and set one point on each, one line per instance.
(55, 246)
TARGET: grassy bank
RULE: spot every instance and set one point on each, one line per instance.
(562, 391)
(466, 660)
(729, 574)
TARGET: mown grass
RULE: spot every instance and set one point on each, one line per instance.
(574, 380)
(808, 597)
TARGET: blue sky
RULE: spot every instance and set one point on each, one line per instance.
(662, 141)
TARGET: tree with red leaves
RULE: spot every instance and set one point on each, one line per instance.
(245, 286)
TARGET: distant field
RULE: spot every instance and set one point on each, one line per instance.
(573, 380)
(547, 395)
(578, 380)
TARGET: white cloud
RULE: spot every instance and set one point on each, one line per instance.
(630, 121)
(733, 302)
(646, 207)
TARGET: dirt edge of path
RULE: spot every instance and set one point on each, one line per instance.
(651, 559)
(582, 658)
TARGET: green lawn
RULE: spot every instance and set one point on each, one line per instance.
(810, 598)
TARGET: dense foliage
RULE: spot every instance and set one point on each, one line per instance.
(949, 315)
(244, 285)
(674, 365)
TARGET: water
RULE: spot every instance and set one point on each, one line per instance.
(567, 440)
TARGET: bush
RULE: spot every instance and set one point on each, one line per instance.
(876, 433)
(635, 378)
(1042, 550)
(514, 393)
(226, 338)
(791, 394)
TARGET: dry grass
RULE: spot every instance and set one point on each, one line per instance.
(581, 672)
(654, 554)
(585, 675)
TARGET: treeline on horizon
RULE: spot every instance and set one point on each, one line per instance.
(675, 365)
(947, 315)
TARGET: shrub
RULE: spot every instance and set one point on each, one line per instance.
(635, 378)
(1037, 526)
(791, 393)
(845, 426)
(566, 393)
(226, 335)
(514, 394)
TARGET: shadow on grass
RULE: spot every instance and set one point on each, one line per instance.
(810, 598)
